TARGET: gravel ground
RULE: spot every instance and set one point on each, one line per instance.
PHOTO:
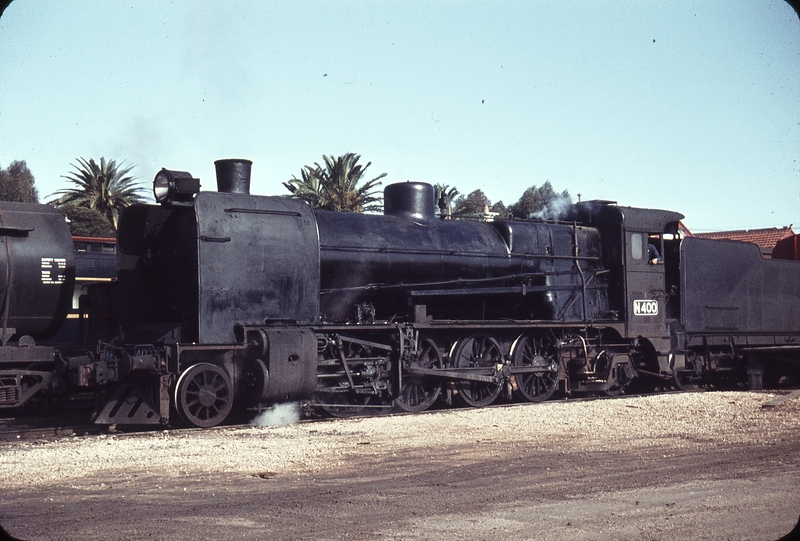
(687, 421)
(689, 441)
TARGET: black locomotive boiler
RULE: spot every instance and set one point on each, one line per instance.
(230, 298)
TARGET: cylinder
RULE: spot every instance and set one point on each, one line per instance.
(233, 176)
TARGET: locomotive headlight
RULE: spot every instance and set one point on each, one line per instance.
(169, 186)
(161, 187)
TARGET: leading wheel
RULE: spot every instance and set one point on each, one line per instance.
(204, 395)
(479, 351)
(537, 352)
(420, 392)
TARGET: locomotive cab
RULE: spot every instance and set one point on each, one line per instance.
(652, 277)
(642, 249)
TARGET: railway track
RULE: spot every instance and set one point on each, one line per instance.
(10, 434)
(74, 423)
(50, 419)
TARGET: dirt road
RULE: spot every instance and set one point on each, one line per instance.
(698, 466)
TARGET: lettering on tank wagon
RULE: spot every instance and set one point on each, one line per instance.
(646, 307)
(54, 270)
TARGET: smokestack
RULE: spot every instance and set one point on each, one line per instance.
(233, 176)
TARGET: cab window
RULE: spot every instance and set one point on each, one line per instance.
(637, 244)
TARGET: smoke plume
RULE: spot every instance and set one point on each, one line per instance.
(555, 210)
(279, 414)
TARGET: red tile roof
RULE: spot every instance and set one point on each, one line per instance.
(764, 238)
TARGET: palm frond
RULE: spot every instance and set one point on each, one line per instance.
(106, 187)
(336, 185)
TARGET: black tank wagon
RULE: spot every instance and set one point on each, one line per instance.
(50, 322)
(37, 271)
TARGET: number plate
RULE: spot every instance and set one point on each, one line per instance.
(647, 307)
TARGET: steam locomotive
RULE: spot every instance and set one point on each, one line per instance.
(228, 298)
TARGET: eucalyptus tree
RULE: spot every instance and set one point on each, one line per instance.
(17, 183)
(540, 202)
(472, 203)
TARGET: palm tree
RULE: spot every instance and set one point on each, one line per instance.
(445, 195)
(103, 187)
(309, 187)
(336, 186)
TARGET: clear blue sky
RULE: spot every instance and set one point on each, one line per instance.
(688, 106)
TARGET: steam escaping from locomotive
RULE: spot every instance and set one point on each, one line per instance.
(280, 414)
(557, 209)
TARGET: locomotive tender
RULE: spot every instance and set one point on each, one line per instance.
(230, 298)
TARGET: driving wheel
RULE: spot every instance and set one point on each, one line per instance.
(419, 392)
(537, 353)
(478, 352)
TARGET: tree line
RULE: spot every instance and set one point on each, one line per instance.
(340, 185)
(101, 190)
(92, 207)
